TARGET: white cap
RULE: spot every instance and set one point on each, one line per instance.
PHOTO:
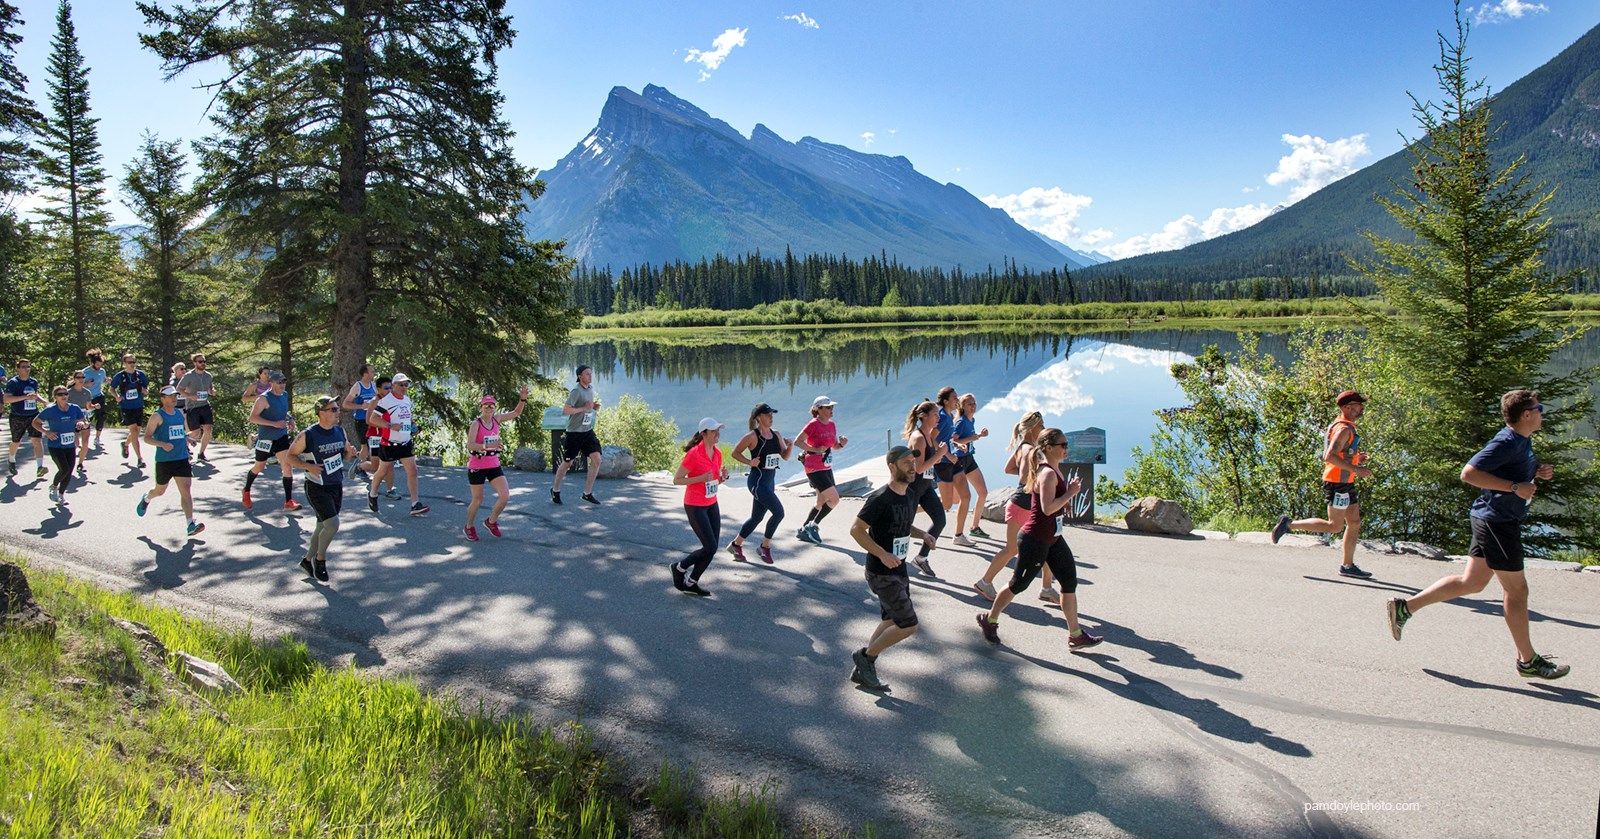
(709, 424)
(400, 379)
(821, 402)
(169, 390)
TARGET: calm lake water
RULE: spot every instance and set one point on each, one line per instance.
(1111, 380)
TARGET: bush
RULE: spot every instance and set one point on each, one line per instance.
(649, 434)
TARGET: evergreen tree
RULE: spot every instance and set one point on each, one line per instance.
(17, 119)
(1469, 295)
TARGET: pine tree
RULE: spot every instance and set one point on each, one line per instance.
(17, 119)
(1469, 295)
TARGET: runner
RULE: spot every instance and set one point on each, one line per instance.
(701, 474)
(952, 484)
(884, 529)
(1506, 473)
(971, 477)
(167, 433)
(60, 425)
(363, 392)
(580, 408)
(1039, 543)
(921, 435)
(79, 395)
(274, 433)
(819, 439)
(761, 450)
(95, 377)
(395, 417)
(256, 387)
(485, 447)
(179, 370)
(194, 390)
(321, 451)
(1342, 459)
(129, 384)
(1024, 436)
(22, 396)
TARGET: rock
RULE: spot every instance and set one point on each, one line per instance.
(18, 610)
(1293, 540)
(1551, 564)
(994, 505)
(615, 462)
(1419, 549)
(528, 460)
(855, 488)
(429, 460)
(1374, 546)
(142, 634)
(1158, 515)
(205, 675)
(1593, 568)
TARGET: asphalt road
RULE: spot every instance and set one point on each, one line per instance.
(1239, 684)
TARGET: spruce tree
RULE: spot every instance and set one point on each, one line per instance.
(1469, 292)
(17, 119)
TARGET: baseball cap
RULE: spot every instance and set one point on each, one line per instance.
(169, 390)
(763, 408)
(822, 402)
(709, 424)
(487, 399)
(898, 452)
(400, 379)
(1350, 396)
(276, 376)
(581, 368)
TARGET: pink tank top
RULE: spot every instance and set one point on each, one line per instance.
(485, 437)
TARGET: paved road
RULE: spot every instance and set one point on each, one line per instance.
(1239, 682)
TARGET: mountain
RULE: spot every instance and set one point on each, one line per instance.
(1552, 115)
(1075, 258)
(660, 180)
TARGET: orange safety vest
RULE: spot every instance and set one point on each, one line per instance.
(1333, 474)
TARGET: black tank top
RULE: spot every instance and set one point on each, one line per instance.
(1022, 498)
(764, 447)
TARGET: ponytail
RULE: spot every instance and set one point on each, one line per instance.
(1036, 460)
(698, 437)
(913, 418)
(1031, 420)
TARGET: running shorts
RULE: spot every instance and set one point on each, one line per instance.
(894, 598)
(133, 416)
(166, 470)
(1498, 542)
(23, 427)
(946, 471)
(200, 415)
(581, 444)
(1033, 555)
(477, 477)
(279, 445)
(325, 500)
(1016, 515)
(820, 480)
(1329, 490)
(391, 452)
(967, 464)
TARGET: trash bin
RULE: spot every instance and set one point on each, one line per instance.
(555, 422)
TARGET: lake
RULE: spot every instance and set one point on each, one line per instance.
(1110, 379)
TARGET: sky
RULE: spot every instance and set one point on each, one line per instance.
(1122, 127)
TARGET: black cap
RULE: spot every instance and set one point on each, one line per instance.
(581, 368)
(898, 452)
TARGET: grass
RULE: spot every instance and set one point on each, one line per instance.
(1234, 523)
(1578, 555)
(97, 738)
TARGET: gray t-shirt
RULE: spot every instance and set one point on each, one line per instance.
(79, 396)
(197, 383)
(581, 397)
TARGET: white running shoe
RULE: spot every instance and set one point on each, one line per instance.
(1049, 595)
(962, 540)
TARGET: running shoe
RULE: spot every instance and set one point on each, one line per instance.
(124, 450)
(305, 564)
(816, 535)
(696, 590)
(201, 457)
(1354, 571)
(1541, 667)
(1083, 640)
(12, 468)
(1049, 595)
(472, 533)
(143, 506)
(321, 571)
(985, 588)
(246, 499)
(804, 533)
(53, 495)
(866, 672)
(589, 497)
(141, 463)
(1279, 529)
(1398, 615)
(419, 509)
(923, 565)
(82, 472)
(494, 527)
(737, 550)
(40, 472)
(766, 554)
(392, 493)
(195, 528)
(962, 540)
(372, 503)
(991, 630)
(978, 532)
(677, 577)
(555, 497)
(290, 505)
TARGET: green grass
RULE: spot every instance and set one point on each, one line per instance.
(1233, 523)
(1578, 555)
(97, 738)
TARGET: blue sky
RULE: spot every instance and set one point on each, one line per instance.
(1124, 127)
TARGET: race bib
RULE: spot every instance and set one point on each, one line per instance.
(771, 462)
(174, 433)
(411, 428)
(202, 395)
(1341, 501)
(334, 463)
(66, 438)
(28, 405)
(130, 395)
(902, 547)
(711, 489)
(588, 420)
(492, 443)
(827, 457)
(927, 474)
(374, 442)
(264, 445)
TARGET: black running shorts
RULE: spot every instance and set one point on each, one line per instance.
(820, 480)
(166, 470)
(200, 415)
(580, 444)
(279, 445)
(1498, 542)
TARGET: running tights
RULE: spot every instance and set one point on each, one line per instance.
(322, 536)
(1033, 555)
(765, 489)
(930, 504)
(64, 459)
(706, 522)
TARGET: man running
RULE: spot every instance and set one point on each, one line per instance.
(321, 451)
(1506, 473)
(79, 395)
(884, 530)
(195, 389)
(167, 433)
(1342, 459)
(395, 417)
(94, 376)
(274, 433)
(61, 424)
(22, 398)
(580, 409)
(363, 393)
(129, 385)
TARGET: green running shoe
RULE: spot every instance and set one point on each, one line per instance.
(1398, 615)
(1541, 668)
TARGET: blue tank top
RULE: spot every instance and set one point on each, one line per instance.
(277, 409)
(364, 394)
(171, 431)
(325, 444)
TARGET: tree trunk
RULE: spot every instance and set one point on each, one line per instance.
(353, 254)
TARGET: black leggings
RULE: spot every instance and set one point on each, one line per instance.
(765, 489)
(64, 459)
(929, 501)
(706, 522)
(99, 414)
(1033, 555)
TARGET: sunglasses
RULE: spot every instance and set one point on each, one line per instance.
(333, 408)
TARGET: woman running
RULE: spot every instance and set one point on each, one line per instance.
(1039, 544)
(952, 483)
(95, 377)
(257, 386)
(1023, 437)
(700, 474)
(484, 447)
(819, 439)
(320, 451)
(179, 370)
(79, 395)
(761, 450)
(969, 475)
(921, 435)
(61, 423)
(167, 432)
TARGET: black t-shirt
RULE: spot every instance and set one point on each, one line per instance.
(888, 515)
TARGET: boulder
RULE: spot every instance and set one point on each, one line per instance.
(615, 462)
(1420, 549)
(528, 460)
(205, 675)
(143, 635)
(1374, 546)
(1158, 515)
(18, 610)
(994, 505)
(429, 460)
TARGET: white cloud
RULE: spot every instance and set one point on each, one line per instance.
(803, 19)
(1096, 236)
(893, 131)
(1058, 388)
(867, 138)
(1053, 212)
(1314, 162)
(1186, 230)
(1506, 10)
(711, 59)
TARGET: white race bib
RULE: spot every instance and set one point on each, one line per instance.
(374, 442)
(1341, 501)
(264, 445)
(202, 395)
(28, 405)
(711, 489)
(130, 395)
(771, 462)
(588, 420)
(902, 547)
(174, 433)
(491, 443)
(927, 474)
(66, 438)
(335, 463)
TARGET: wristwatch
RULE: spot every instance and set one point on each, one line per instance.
(1514, 486)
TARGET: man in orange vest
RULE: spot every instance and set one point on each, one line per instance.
(1342, 459)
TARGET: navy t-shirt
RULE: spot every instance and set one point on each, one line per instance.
(1509, 457)
(888, 515)
(21, 387)
(125, 383)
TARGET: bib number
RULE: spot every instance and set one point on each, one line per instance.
(66, 438)
(334, 464)
(711, 489)
(130, 395)
(927, 474)
(902, 547)
(771, 462)
(202, 395)
(374, 442)
(1341, 501)
(29, 405)
(491, 444)
(174, 433)
(588, 420)
(264, 445)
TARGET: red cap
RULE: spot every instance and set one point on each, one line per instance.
(1350, 396)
